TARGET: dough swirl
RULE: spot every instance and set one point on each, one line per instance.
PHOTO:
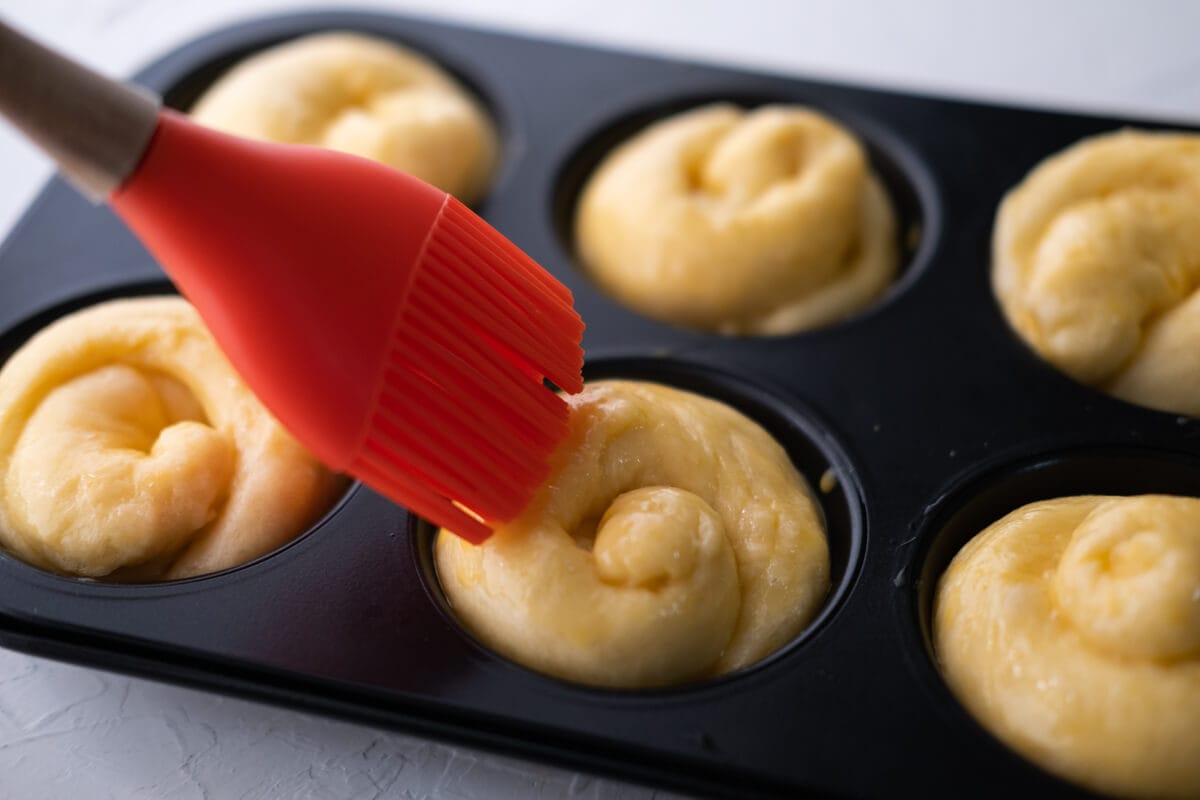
(672, 541)
(130, 449)
(1096, 263)
(761, 222)
(1071, 629)
(360, 95)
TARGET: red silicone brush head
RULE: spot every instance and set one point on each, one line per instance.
(462, 410)
(396, 334)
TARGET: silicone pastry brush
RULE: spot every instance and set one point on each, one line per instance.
(393, 332)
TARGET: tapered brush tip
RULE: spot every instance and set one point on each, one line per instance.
(464, 424)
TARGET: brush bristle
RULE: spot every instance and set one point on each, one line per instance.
(464, 424)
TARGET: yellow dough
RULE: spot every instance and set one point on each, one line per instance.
(673, 540)
(1071, 630)
(761, 222)
(360, 95)
(129, 448)
(1096, 263)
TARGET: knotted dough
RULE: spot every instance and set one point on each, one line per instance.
(672, 541)
(1096, 263)
(130, 449)
(360, 95)
(1071, 629)
(739, 222)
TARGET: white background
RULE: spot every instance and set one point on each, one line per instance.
(69, 732)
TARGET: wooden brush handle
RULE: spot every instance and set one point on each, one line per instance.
(95, 128)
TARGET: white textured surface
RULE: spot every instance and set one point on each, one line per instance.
(68, 732)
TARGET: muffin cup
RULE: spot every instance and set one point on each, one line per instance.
(813, 450)
(984, 495)
(908, 402)
(900, 174)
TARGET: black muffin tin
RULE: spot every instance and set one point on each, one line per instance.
(933, 418)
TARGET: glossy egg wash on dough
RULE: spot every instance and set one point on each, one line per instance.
(130, 450)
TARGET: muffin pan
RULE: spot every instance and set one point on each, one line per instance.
(927, 412)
